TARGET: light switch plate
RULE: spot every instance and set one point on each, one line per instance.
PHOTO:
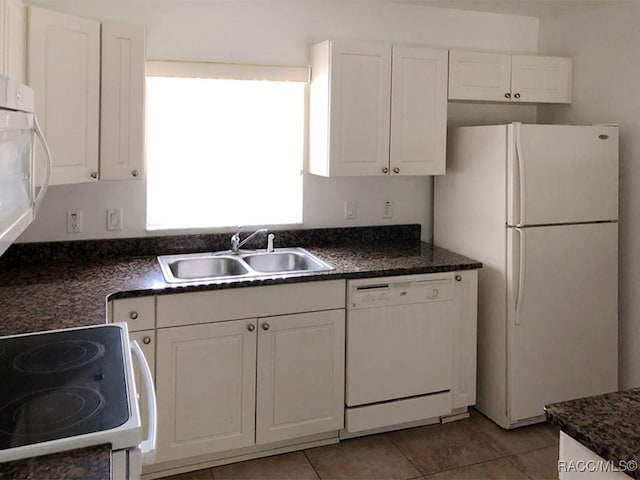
(114, 219)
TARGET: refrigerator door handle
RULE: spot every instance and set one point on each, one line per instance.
(519, 154)
(521, 271)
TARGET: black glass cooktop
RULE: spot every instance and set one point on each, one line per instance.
(60, 384)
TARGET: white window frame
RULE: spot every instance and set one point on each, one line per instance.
(189, 69)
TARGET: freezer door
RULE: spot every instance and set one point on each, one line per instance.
(562, 316)
(562, 174)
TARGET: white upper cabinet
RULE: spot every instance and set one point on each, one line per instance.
(64, 70)
(13, 39)
(350, 108)
(499, 77)
(541, 79)
(122, 102)
(418, 111)
(90, 95)
(377, 109)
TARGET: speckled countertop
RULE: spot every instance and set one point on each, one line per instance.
(70, 288)
(605, 424)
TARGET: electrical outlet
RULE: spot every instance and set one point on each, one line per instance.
(114, 219)
(74, 221)
(387, 211)
(349, 210)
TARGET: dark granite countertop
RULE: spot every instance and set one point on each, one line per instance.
(605, 424)
(68, 284)
(45, 297)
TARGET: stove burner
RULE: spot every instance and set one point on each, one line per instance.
(58, 357)
(45, 412)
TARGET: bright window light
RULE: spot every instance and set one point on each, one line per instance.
(223, 152)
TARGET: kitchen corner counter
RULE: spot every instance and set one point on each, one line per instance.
(605, 424)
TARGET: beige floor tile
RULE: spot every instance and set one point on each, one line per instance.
(517, 440)
(197, 475)
(294, 466)
(500, 469)
(373, 457)
(444, 447)
(539, 464)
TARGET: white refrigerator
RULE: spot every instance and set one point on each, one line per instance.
(538, 205)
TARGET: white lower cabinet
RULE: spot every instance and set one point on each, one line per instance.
(300, 382)
(246, 380)
(465, 339)
(227, 385)
(206, 388)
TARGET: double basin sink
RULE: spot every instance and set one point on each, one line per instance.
(244, 265)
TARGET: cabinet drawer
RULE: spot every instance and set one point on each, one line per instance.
(139, 312)
(236, 303)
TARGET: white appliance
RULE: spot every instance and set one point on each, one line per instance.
(18, 128)
(74, 388)
(399, 350)
(538, 205)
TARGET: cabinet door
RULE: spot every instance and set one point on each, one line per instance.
(418, 111)
(300, 375)
(205, 380)
(479, 76)
(147, 341)
(13, 39)
(64, 70)
(541, 79)
(463, 389)
(122, 106)
(353, 80)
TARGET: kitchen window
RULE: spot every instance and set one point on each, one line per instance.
(225, 145)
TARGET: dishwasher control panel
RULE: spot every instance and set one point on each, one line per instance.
(402, 290)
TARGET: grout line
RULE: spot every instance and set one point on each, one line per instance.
(518, 467)
(388, 437)
(304, 452)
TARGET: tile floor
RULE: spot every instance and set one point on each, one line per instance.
(474, 448)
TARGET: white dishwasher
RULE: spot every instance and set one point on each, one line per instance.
(399, 350)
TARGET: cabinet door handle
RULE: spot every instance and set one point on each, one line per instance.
(458, 278)
(146, 340)
(251, 327)
(135, 173)
(507, 95)
(94, 174)
(133, 315)
(396, 170)
(385, 170)
(517, 95)
(266, 326)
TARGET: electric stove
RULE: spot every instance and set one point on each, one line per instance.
(67, 389)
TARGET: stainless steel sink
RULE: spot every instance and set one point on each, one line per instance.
(284, 262)
(246, 265)
(206, 267)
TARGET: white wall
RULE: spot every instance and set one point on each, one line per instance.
(280, 32)
(604, 44)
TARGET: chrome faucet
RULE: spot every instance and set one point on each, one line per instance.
(235, 239)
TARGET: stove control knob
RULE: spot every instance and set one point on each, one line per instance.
(146, 340)
(133, 315)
